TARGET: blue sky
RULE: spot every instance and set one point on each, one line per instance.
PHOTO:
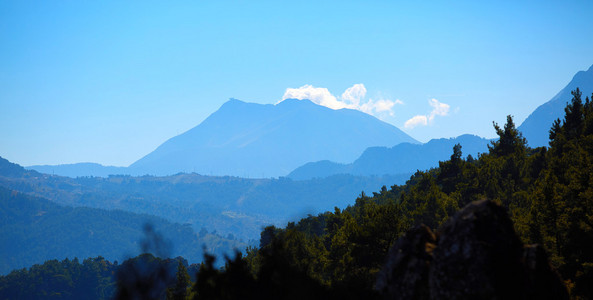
(108, 81)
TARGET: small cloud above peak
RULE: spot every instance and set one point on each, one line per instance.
(438, 109)
(419, 120)
(320, 96)
(354, 94)
(352, 98)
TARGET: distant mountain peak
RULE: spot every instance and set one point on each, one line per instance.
(264, 140)
(581, 76)
(232, 102)
(235, 101)
(293, 101)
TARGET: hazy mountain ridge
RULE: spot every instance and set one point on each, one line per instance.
(404, 158)
(226, 204)
(80, 169)
(535, 127)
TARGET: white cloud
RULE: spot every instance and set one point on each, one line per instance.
(320, 96)
(352, 98)
(354, 94)
(416, 121)
(379, 106)
(438, 109)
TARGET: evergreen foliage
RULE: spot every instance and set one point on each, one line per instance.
(182, 283)
(67, 279)
(141, 277)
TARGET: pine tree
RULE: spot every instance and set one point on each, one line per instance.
(182, 283)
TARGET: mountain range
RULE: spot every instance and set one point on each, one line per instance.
(302, 140)
(257, 140)
(354, 152)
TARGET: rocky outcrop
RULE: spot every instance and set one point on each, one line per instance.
(476, 255)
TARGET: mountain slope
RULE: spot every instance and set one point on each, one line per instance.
(536, 127)
(255, 140)
(33, 230)
(400, 159)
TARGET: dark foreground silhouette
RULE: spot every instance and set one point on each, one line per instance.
(475, 255)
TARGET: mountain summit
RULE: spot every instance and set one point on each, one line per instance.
(536, 127)
(257, 140)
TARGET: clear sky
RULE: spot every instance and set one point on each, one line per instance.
(109, 81)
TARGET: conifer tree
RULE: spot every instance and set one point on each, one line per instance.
(182, 282)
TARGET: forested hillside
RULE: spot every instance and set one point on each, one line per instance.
(94, 278)
(33, 230)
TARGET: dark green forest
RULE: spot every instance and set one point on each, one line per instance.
(95, 278)
(547, 192)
